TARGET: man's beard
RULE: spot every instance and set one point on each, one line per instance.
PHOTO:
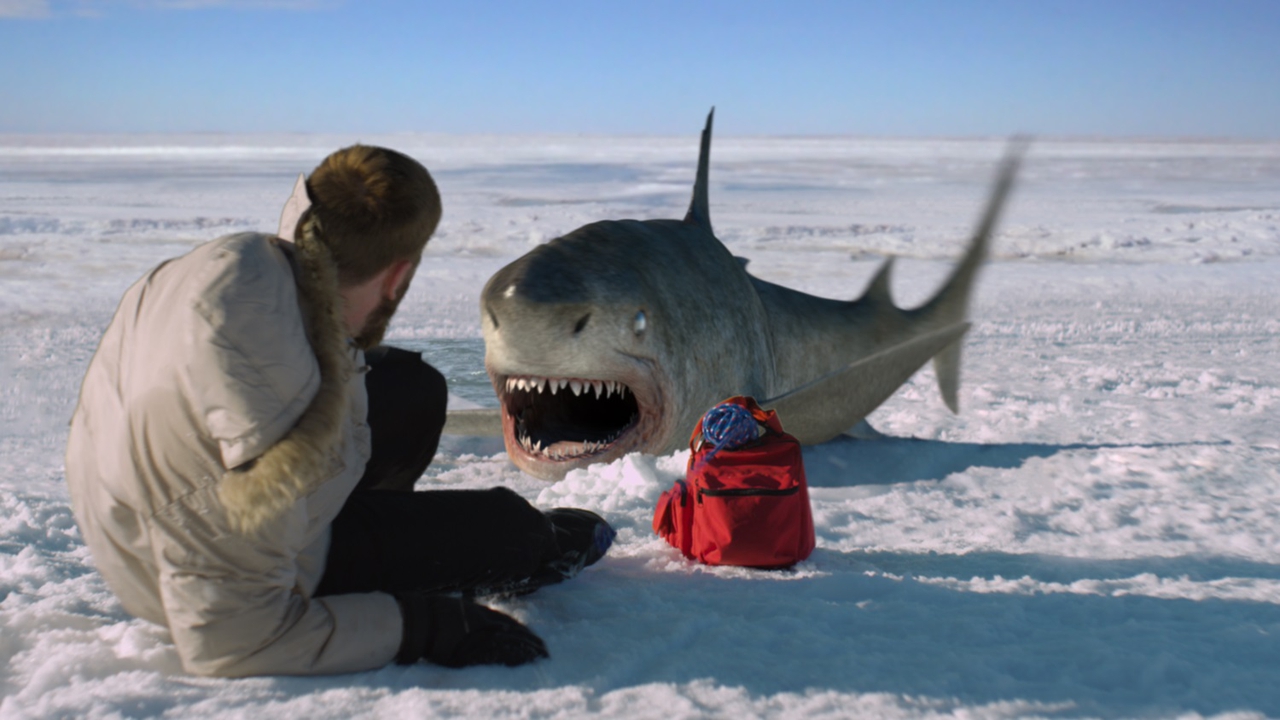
(376, 324)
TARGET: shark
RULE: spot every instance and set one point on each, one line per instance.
(618, 336)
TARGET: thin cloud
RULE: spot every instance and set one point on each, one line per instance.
(98, 8)
(24, 8)
(239, 4)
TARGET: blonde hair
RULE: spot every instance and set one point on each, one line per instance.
(374, 206)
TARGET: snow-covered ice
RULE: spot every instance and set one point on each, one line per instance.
(1096, 534)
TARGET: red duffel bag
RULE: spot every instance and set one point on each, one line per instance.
(742, 502)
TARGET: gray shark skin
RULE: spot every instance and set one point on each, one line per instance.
(618, 336)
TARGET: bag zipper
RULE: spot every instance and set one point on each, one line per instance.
(747, 492)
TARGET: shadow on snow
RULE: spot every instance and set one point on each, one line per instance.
(847, 461)
(840, 626)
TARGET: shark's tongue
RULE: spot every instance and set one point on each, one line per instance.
(563, 449)
(568, 449)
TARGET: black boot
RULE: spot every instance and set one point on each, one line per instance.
(582, 538)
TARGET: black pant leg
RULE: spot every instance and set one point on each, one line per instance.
(389, 540)
(440, 540)
(407, 408)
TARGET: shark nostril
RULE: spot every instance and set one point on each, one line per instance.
(494, 318)
(582, 323)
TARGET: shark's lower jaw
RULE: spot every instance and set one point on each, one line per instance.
(554, 422)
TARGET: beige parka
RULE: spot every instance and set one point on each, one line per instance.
(204, 368)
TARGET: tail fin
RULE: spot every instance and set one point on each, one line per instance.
(699, 210)
(951, 304)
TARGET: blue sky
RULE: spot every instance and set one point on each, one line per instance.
(793, 67)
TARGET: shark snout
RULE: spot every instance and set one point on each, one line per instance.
(549, 322)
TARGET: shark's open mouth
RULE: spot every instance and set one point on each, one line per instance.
(567, 418)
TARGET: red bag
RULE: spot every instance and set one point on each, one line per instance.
(747, 506)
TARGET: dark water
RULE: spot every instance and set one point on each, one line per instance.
(461, 361)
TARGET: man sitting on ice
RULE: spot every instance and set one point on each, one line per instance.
(242, 459)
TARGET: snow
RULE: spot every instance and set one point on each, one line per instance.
(1095, 534)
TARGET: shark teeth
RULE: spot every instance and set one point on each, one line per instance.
(601, 388)
(571, 450)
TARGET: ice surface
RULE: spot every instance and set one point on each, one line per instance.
(1096, 534)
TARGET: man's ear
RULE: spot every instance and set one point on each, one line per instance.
(397, 276)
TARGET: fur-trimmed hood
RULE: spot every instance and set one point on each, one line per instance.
(231, 356)
(268, 485)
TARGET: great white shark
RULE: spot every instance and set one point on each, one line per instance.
(618, 336)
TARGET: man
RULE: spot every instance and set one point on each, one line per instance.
(242, 471)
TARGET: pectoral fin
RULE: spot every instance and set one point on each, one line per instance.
(824, 408)
(477, 421)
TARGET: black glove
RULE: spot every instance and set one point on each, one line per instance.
(456, 632)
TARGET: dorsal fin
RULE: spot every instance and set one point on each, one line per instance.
(878, 289)
(699, 209)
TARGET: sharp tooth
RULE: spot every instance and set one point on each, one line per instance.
(555, 385)
(563, 383)
(511, 384)
(542, 383)
(577, 387)
(596, 386)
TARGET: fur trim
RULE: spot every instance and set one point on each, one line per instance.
(288, 470)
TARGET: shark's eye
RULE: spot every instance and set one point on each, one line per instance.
(641, 323)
